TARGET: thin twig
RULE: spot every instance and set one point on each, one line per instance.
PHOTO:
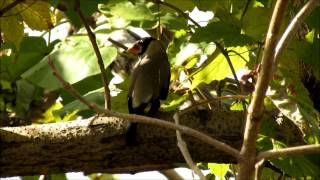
(184, 150)
(258, 169)
(178, 10)
(92, 38)
(255, 110)
(10, 6)
(69, 88)
(293, 27)
(276, 153)
(226, 55)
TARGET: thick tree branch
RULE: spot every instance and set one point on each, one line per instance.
(255, 110)
(92, 38)
(100, 147)
(276, 153)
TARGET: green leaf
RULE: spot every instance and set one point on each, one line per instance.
(36, 14)
(219, 170)
(12, 30)
(87, 8)
(290, 96)
(129, 11)
(74, 59)
(219, 69)
(256, 22)
(173, 101)
(173, 22)
(32, 50)
(216, 31)
(302, 165)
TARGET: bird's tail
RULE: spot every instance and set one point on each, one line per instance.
(131, 134)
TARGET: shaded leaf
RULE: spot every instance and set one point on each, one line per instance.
(256, 21)
(32, 50)
(216, 31)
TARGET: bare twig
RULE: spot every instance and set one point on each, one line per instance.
(293, 27)
(69, 88)
(92, 38)
(178, 10)
(146, 120)
(255, 110)
(275, 153)
(258, 169)
(185, 152)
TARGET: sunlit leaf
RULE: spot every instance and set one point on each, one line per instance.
(12, 29)
(36, 14)
(173, 101)
(129, 11)
(219, 69)
(219, 170)
(74, 59)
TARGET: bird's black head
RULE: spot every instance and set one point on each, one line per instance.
(140, 46)
(144, 43)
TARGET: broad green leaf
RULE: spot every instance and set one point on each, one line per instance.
(313, 19)
(308, 51)
(129, 11)
(291, 97)
(173, 22)
(74, 59)
(219, 170)
(36, 14)
(32, 50)
(256, 21)
(302, 165)
(217, 31)
(25, 94)
(12, 30)
(173, 101)
(219, 69)
(118, 102)
(87, 8)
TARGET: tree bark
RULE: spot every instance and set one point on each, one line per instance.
(98, 145)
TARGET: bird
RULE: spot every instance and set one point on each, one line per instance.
(149, 81)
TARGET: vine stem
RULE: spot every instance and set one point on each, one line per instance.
(92, 37)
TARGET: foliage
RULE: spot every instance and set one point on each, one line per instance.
(239, 27)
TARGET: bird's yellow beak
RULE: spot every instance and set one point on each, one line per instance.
(135, 49)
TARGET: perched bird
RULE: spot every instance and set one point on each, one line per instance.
(149, 83)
